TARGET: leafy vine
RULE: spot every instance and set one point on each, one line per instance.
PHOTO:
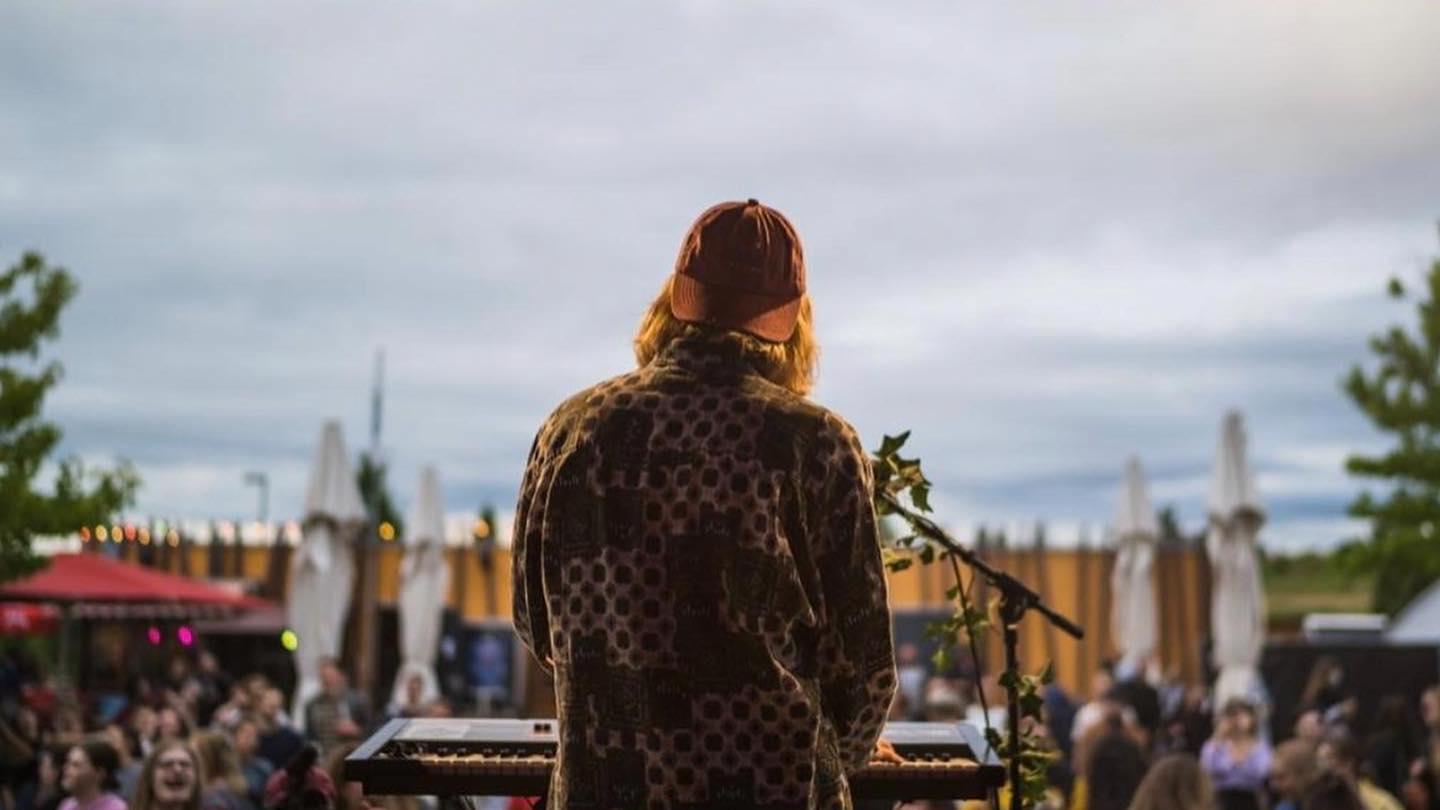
(899, 479)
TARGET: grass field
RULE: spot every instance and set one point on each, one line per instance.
(1295, 586)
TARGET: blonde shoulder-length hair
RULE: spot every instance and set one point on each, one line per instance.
(145, 783)
(790, 365)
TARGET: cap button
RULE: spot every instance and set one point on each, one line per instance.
(752, 202)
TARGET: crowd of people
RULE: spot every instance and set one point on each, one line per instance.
(194, 739)
(197, 739)
(1144, 742)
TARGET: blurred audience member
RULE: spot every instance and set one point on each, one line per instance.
(1116, 766)
(170, 779)
(1094, 710)
(911, 673)
(1393, 745)
(146, 725)
(126, 745)
(1292, 769)
(48, 793)
(224, 787)
(255, 768)
(1325, 690)
(1330, 791)
(338, 713)
(279, 741)
(1310, 727)
(301, 784)
(1424, 784)
(1236, 759)
(413, 703)
(1175, 782)
(1136, 688)
(1340, 754)
(171, 724)
(89, 777)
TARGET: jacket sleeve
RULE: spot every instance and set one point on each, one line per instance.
(532, 619)
(856, 656)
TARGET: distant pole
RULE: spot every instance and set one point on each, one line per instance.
(262, 482)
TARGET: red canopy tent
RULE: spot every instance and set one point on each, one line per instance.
(101, 587)
(94, 586)
(27, 619)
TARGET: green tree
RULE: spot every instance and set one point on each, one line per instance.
(32, 296)
(1401, 396)
(374, 491)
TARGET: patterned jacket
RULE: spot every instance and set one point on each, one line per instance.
(696, 563)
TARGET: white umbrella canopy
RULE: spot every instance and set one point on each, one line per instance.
(425, 579)
(1136, 530)
(323, 569)
(1237, 602)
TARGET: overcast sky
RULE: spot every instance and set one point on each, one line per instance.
(1043, 237)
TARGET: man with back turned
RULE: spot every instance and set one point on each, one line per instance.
(695, 552)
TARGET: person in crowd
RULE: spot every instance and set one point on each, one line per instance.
(178, 675)
(1236, 759)
(224, 787)
(48, 793)
(1310, 727)
(1059, 717)
(1424, 782)
(126, 745)
(227, 714)
(255, 768)
(89, 777)
(171, 723)
(1325, 689)
(279, 741)
(68, 725)
(1175, 782)
(943, 703)
(170, 779)
(1095, 709)
(1339, 753)
(992, 710)
(910, 680)
(1292, 769)
(413, 703)
(213, 687)
(1137, 691)
(20, 744)
(338, 713)
(1331, 791)
(1190, 725)
(1393, 745)
(1115, 768)
(146, 725)
(301, 784)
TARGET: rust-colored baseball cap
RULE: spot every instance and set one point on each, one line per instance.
(741, 268)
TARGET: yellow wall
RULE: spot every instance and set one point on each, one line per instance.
(1074, 581)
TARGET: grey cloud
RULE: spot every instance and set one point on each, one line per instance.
(257, 196)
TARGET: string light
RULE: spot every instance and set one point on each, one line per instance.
(387, 531)
(289, 640)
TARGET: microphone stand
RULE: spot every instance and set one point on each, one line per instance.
(1016, 598)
